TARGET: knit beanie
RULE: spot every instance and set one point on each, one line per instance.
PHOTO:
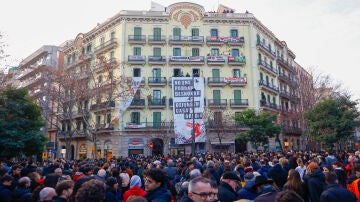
(135, 181)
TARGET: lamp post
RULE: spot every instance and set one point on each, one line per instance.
(193, 117)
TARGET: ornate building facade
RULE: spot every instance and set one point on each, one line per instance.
(241, 62)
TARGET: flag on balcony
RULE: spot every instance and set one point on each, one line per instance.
(184, 116)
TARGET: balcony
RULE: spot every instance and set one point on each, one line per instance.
(236, 81)
(285, 64)
(153, 39)
(187, 40)
(236, 41)
(157, 81)
(265, 49)
(76, 135)
(216, 81)
(136, 39)
(285, 78)
(217, 103)
(285, 94)
(269, 106)
(137, 104)
(130, 79)
(267, 68)
(156, 103)
(236, 60)
(136, 59)
(157, 60)
(108, 45)
(214, 40)
(148, 126)
(228, 126)
(215, 60)
(105, 65)
(105, 127)
(102, 106)
(239, 103)
(291, 130)
(233, 41)
(269, 87)
(182, 60)
(81, 58)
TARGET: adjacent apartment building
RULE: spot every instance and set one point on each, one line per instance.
(241, 63)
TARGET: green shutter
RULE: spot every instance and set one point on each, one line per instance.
(157, 73)
(261, 76)
(195, 52)
(177, 32)
(156, 119)
(157, 33)
(267, 81)
(157, 52)
(137, 51)
(195, 32)
(216, 73)
(237, 95)
(216, 95)
(137, 33)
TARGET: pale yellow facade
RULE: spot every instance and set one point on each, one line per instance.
(224, 46)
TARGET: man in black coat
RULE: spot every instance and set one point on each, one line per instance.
(334, 192)
(5, 186)
(229, 185)
(155, 186)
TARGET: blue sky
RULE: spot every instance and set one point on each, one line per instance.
(324, 34)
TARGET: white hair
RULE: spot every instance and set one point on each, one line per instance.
(45, 192)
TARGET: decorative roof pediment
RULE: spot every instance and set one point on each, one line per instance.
(186, 13)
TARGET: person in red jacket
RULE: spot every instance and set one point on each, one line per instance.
(135, 188)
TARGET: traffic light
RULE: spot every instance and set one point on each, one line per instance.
(151, 145)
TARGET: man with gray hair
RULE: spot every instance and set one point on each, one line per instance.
(22, 191)
(199, 191)
(47, 194)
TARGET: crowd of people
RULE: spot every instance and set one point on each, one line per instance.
(270, 176)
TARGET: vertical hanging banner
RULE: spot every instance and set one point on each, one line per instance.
(135, 84)
(183, 95)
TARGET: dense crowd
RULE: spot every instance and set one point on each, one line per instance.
(269, 176)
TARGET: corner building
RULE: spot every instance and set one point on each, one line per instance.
(241, 62)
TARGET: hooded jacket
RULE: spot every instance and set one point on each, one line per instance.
(315, 184)
(246, 192)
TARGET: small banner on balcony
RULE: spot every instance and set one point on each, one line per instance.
(184, 115)
(135, 84)
(235, 80)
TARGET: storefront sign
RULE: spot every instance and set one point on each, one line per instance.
(135, 125)
(83, 149)
(136, 143)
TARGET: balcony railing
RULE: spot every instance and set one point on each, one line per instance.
(236, 60)
(137, 103)
(291, 130)
(216, 81)
(103, 127)
(268, 105)
(186, 40)
(285, 77)
(81, 58)
(266, 49)
(157, 59)
(156, 39)
(136, 59)
(215, 60)
(285, 94)
(157, 81)
(285, 64)
(215, 40)
(137, 39)
(106, 46)
(149, 126)
(236, 81)
(225, 125)
(103, 105)
(239, 102)
(222, 103)
(157, 103)
(269, 86)
(195, 60)
(266, 67)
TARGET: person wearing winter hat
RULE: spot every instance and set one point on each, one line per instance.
(229, 185)
(101, 174)
(135, 188)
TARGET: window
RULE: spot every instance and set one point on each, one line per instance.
(135, 117)
(217, 117)
(111, 55)
(78, 125)
(177, 33)
(259, 58)
(195, 52)
(157, 34)
(196, 72)
(73, 57)
(98, 119)
(258, 39)
(156, 73)
(214, 32)
(156, 119)
(237, 96)
(234, 33)
(271, 65)
(112, 36)
(177, 52)
(137, 33)
(136, 72)
(100, 79)
(215, 52)
(236, 73)
(268, 98)
(261, 76)
(156, 94)
(68, 60)
(137, 51)
(102, 40)
(86, 105)
(88, 48)
(137, 95)
(157, 52)
(216, 96)
(215, 73)
(195, 32)
(84, 126)
(177, 73)
(235, 52)
(108, 118)
(267, 80)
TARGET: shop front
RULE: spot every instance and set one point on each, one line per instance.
(136, 146)
(108, 150)
(83, 152)
(176, 149)
(223, 146)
